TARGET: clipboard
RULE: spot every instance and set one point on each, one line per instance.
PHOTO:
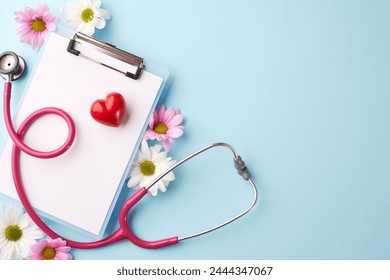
(80, 188)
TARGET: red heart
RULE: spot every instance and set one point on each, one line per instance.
(109, 111)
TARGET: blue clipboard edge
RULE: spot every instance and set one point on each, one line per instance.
(110, 219)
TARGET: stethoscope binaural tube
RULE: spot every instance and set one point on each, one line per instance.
(124, 231)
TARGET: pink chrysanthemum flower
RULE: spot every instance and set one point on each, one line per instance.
(164, 126)
(35, 25)
(49, 249)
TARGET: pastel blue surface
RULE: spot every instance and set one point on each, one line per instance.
(300, 88)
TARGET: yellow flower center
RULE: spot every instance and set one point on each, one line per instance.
(87, 15)
(147, 168)
(13, 233)
(38, 25)
(160, 128)
(48, 253)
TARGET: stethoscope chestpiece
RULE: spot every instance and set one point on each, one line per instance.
(12, 66)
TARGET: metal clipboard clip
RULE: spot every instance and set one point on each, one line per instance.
(102, 53)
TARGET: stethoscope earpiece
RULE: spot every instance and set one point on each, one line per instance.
(12, 66)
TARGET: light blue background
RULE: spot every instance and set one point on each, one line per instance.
(300, 88)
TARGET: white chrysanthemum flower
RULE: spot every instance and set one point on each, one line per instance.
(148, 164)
(17, 233)
(85, 15)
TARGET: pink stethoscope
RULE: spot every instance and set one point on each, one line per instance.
(12, 67)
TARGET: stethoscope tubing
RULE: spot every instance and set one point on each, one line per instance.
(31, 119)
(19, 145)
(124, 231)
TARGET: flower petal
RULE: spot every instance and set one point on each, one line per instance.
(166, 145)
(145, 150)
(50, 26)
(152, 120)
(149, 134)
(153, 190)
(7, 252)
(96, 3)
(41, 9)
(35, 234)
(100, 23)
(175, 121)
(161, 113)
(104, 14)
(169, 177)
(169, 114)
(70, 12)
(89, 28)
(87, 3)
(174, 132)
(23, 29)
(62, 256)
(161, 186)
(135, 181)
(74, 24)
(63, 249)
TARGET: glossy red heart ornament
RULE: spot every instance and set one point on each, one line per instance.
(109, 111)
